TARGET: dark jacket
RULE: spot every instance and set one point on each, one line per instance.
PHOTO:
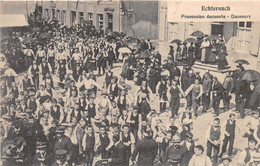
(36, 162)
(119, 155)
(173, 71)
(218, 88)
(147, 150)
(187, 82)
(206, 85)
(66, 144)
(228, 84)
(12, 133)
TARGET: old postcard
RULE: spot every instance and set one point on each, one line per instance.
(129, 83)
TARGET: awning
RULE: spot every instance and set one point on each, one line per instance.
(16, 20)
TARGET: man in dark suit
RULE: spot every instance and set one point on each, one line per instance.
(146, 149)
(158, 56)
(222, 53)
(21, 154)
(16, 130)
(228, 86)
(143, 45)
(63, 142)
(217, 89)
(186, 83)
(175, 152)
(119, 155)
(26, 82)
(174, 70)
(206, 85)
(61, 158)
(42, 157)
(243, 95)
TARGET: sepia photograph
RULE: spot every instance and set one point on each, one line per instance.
(129, 83)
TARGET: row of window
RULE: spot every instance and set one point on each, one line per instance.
(61, 16)
(244, 24)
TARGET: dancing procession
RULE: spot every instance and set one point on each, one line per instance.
(82, 95)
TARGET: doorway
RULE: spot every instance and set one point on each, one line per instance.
(217, 29)
(243, 36)
(73, 18)
(110, 21)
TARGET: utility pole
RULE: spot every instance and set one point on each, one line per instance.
(26, 6)
(119, 4)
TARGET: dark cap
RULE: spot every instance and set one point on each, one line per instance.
(61, 152)
(45, 111)
(200, 147)
(60, 129)
(226, 157)
(41, 144)
(115, 78)
(176, 138)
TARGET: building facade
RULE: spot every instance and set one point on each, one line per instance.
(17, 7)
(120, 16)
(239, 36)
(102, 14)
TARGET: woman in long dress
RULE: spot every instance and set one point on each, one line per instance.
(213, 52)
(203, 48)
(207, 50)
(191, 55)
(178, 53)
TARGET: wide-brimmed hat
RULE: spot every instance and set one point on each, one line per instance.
(7, 117)
(147, 133)
(61, 152)
(32, 93)
(256, 157)
(176, 138)
(115, 78)
(60, 129)
(21, 115)
(45, 111)
(226, 157)
(41, 144)
(255, 112)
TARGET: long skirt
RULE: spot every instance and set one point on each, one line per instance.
(203, 55)
(212, 57)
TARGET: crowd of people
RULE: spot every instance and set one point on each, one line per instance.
(59, 114)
